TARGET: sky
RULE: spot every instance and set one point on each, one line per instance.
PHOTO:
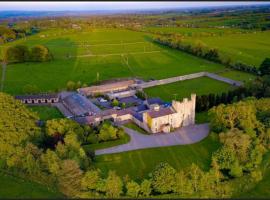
(77, 6)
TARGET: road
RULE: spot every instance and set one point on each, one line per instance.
(182, 136)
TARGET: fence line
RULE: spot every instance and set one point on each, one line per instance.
(187, 77)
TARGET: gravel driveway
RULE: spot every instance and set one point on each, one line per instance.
(185, 135)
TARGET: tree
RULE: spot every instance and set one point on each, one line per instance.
(265, 67)
(133, 189)
(17, 128)
(113, 185)
(70, 85)
(223, 98)
(146, 188)
(69, 178)
(182, 186)
(163, 178)
(115, 102)
(91, 179)
(40, 53)
(16, 54)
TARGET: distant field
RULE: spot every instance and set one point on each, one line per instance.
(196, 31)
(250, 47)
(12, 187)
(100, 52)
(139, 163)
(46, 112)
(181, 89)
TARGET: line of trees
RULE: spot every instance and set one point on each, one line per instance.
(22, 53)
(201, 50)
(8, 34)
(260, 87)
(205, 102)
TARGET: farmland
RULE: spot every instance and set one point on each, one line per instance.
(112, 53)
(249, 47)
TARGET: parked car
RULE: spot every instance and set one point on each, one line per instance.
(101, 100)
(116, 108)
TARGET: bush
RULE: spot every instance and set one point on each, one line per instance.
(40, 53)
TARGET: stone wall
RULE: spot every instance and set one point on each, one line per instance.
(187, 77)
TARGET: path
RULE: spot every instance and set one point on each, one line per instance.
(4, 66)
(116, 54)
(187, 77)
(184, 135)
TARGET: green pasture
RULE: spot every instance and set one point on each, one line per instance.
(195, 31)
(250, 48)
(13, 187)
(135, 127)
(182, 89)
(238, 75)
(139, 163)
(46, 112)
(113, 53)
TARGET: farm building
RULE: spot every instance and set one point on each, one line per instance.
(38, 99)
(106, 88)
(154, 117)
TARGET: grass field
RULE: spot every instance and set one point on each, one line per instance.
(12, 187)
(135, 127)
(81, 55)
(139, 163)
(196, 31)
(107, 144)
(46, 112)
(202, 85)
(250, 47)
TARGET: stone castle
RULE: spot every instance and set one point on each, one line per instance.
(155, 117)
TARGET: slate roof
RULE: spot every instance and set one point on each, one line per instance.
(155, 100)
(161, 112)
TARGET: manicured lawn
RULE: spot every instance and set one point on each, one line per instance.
(139, 163)
(46, 112)
(238, 75)
(201, 117)
(202, 85)
(107, 144)
(12, 187)
(135, 127)
(145, 59)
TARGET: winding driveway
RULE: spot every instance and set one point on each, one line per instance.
(182, 136)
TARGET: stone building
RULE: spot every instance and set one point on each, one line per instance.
(106, 88)
(38, 99)
(154, 117)
(165, 119)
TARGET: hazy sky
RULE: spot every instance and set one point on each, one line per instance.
(75, 6)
